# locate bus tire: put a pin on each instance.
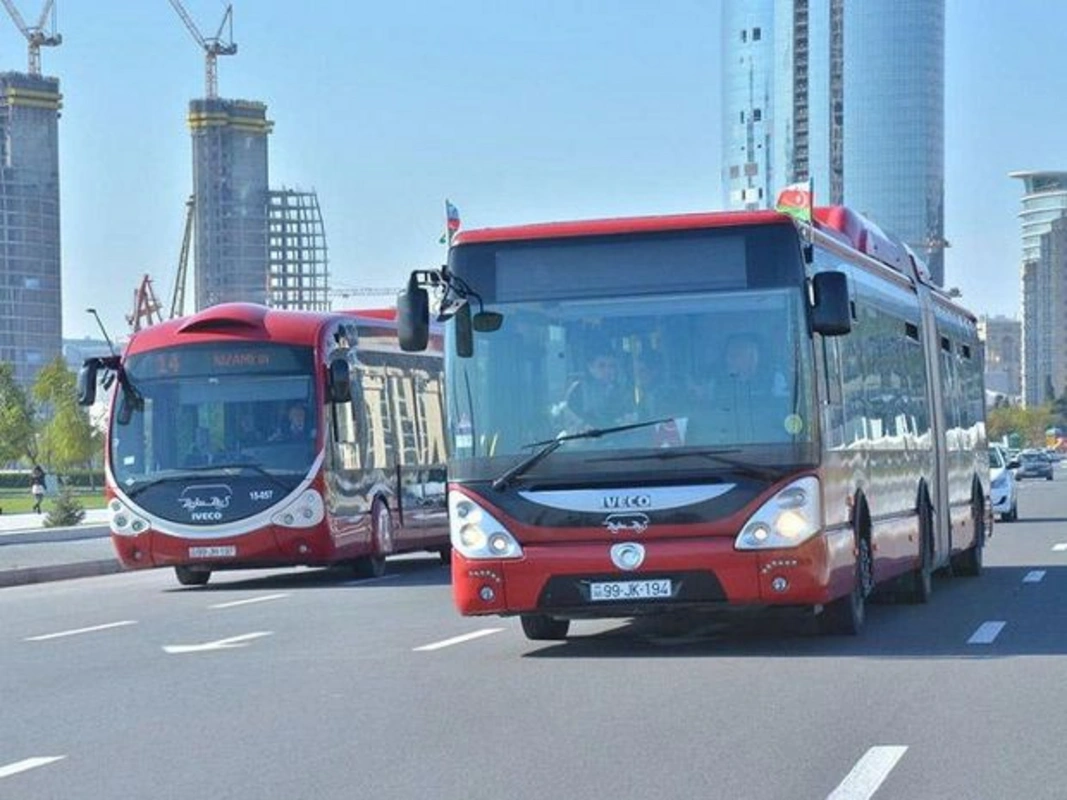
(921, 580)
(846, 615)
(191, 576)
(541, 627)
(969, 562)
(372, 565)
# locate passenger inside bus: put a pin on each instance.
(600, 398)
(199, 454)
(748, 395)
(294, 427)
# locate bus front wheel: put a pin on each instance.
(541, 627)
(847, 614)
(373, 564)
(190, 576)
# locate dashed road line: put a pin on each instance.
(27, 764)
(869, 773)
(1059, 548)
(987, 632)
(249, 601)
(467, 637)
(77, 631)
(222, 644)
(1034, 576)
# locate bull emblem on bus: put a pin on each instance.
(630, 523)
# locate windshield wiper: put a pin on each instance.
(238, 465)
(184, 476)
(549, 446)
(717, 455)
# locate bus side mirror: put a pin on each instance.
(338, 379)
(87, 383)
(831, 311)
(464, 332)
(413, 317)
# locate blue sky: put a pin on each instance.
(517, 111)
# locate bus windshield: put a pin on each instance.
(722, 371)
(219, 407)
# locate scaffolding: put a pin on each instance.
(298, 268)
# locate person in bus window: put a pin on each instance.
(294, 427)
(749, 398)
(248, 434)
(199, 454)
(599, 399)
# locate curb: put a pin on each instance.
(49, 535)
(58, 572)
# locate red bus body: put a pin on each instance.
(366, 479)
(883, 449)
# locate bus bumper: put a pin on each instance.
(269, 547)
(557, 578)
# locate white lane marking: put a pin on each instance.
(1034, 576)
(250, 600)
(28, 763)
(93, 629)
(987, 632)
(221, 644)
(458, 640)
(380, 579)
(865, 778)
(1059, 548)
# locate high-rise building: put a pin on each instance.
(1044, 284)
(856, 98)
(230, 190)
(895, 120)
(1002, 342)
(31, 310)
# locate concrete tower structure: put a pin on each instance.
(31, 308)
(231, 196)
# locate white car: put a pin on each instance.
(1003, 493)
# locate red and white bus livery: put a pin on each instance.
(244, 437)
(702, 411)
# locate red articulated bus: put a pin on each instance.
(701, 411)
(244, 436)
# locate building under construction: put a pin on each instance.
(31, 311)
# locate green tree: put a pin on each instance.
(17, 419)
(68, 439)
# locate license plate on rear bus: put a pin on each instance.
(630, 590)
(228, 551)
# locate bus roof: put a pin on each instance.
(621, 225)
(247, 321)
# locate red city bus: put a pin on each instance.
(245, 437)
(700, 411)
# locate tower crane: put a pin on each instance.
(177, 299)
(213, 47)
(36, 36)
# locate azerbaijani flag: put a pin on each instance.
(451, 223)
(796, 200)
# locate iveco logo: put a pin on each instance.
(612, 502)
(626, 523)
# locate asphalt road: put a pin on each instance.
(309, 685)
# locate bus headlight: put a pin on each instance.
(306, 511)
(788, 519)
(125, 521)
(475, 533)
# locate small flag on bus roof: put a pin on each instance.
(452, 223)
(796, 200)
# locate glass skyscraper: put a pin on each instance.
(1044, 278)
(856, 103)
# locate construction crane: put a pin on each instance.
(177, 299)
(346, 292)
(146, 308)
(213, 47)
(36, 36)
